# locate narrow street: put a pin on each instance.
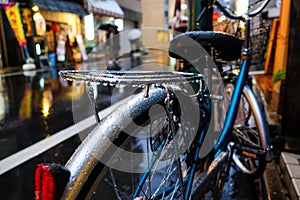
(34, 108)
(44, 118)
(34, 113)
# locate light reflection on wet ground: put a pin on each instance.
(36, 105)
(33, 106)
(28, 106)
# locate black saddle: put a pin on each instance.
(186, 45)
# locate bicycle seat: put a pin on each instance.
(186, 45)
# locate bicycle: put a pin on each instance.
(168, 118)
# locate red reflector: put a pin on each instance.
(44, 183)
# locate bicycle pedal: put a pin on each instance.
(250, 152)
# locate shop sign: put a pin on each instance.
(61, 48)
(14, 18)
(40, 24)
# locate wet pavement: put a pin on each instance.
(36, 107)
(37, 104)
(31, 105)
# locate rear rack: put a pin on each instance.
(130, 78)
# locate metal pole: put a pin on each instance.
(3, 46)
(205, 24)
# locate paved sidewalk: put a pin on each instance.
(290, 164)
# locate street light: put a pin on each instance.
(183, 6)
(35, 8)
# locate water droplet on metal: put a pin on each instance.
(78, 83)
(90, 91)
(112, 84)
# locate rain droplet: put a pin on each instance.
(78, 83)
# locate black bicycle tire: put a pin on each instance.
(259, 118)
(82, 163)
(99, 170)
(262, 128)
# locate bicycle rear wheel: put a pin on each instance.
(157, 164)
(250, 134)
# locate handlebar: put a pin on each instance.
(208, 3)
(252, 14)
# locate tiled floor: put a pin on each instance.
(290, 164)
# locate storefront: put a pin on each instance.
(57, 25)
(12, 39)
(101, 12)
(132, 13)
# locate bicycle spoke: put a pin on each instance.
(240, 133)
(114, 184)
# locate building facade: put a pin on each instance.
(54, 25)
(132, 13)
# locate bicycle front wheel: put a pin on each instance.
(250, 134)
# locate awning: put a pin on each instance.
(105, 7)
(61, 6)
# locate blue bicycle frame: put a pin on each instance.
(232, 111)
(236, 97)
(233, 107)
